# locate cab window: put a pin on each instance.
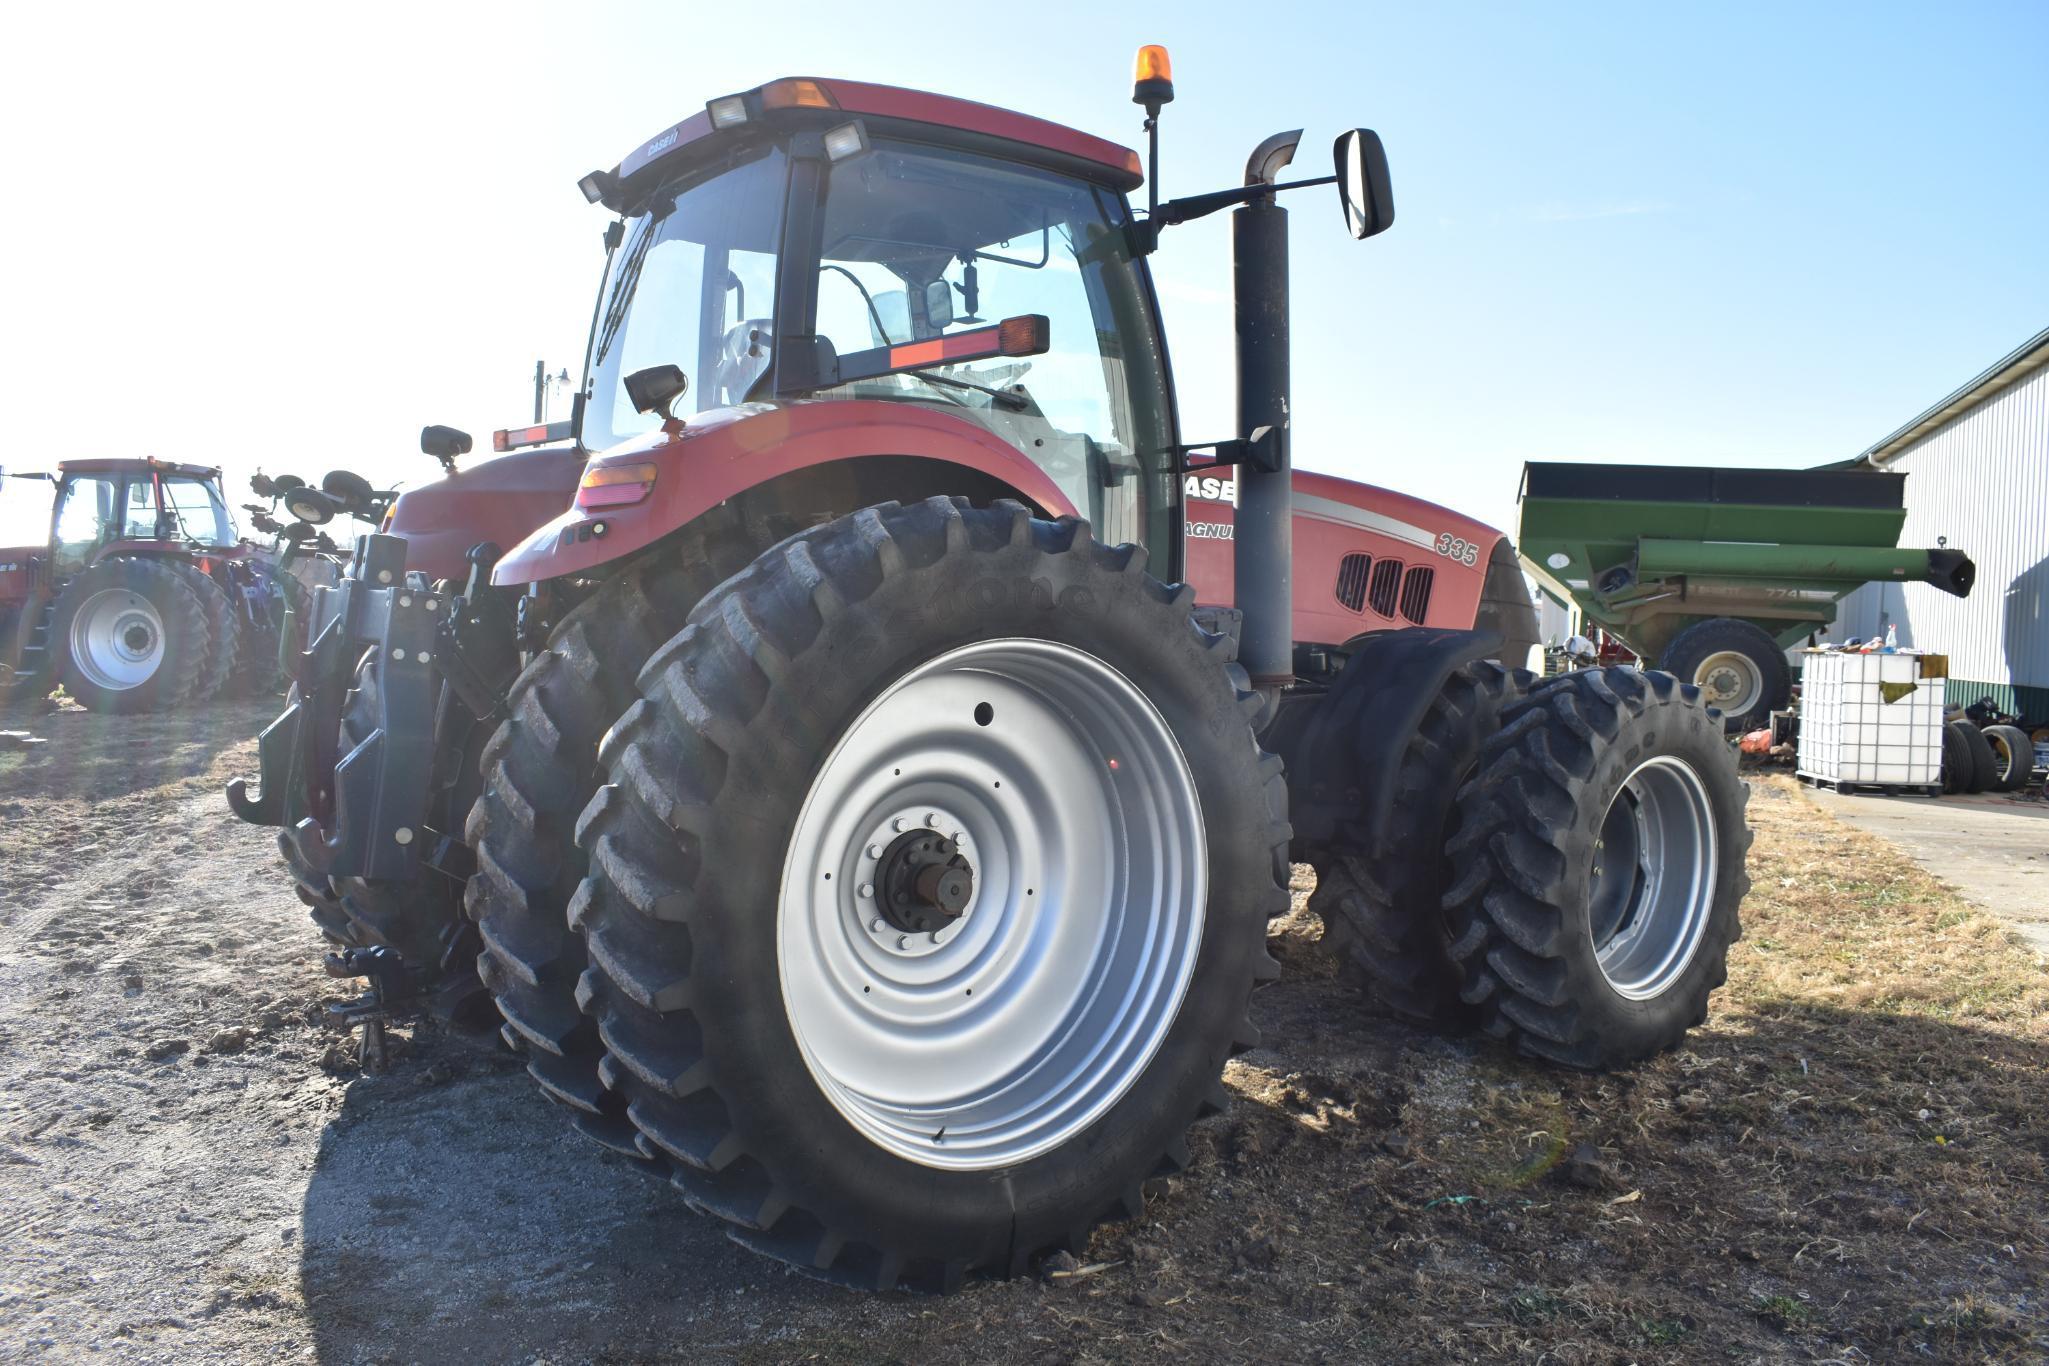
(920, 242)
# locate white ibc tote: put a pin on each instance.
(1872, 718)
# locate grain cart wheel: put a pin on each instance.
(1737, 667)
(1602, 845)
(2013, 757)
(1979, 770)
(223, 631)
(928, 889)
(1384, 910)
(540, 771)
(131, 636)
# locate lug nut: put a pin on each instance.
(931, 818)
(876, 924)
(903, 941)
(874, 851)
(403, 835)
(867, 890)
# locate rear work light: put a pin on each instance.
(612, 486)
(728, 112)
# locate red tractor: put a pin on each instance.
(870, 792)
(142, 598)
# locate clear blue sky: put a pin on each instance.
(1737, 234)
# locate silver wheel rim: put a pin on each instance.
(1029, 1014)
(1730, 680)
(117, 639)
(1654, 878)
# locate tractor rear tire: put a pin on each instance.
(130, 635)
(1979, 770)
(540, 769)
(1384, 909)
(223, 631)
(878, 1111)
(1738, 668)
(1602, 842)
(2013, 757)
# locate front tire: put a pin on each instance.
(1603, 841)
(1126, 844)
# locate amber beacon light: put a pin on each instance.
(1152, 78)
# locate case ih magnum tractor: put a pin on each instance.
(878, 832)
(143, 598)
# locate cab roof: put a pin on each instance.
(116, 465)
(1109, 162)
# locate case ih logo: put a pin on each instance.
(1210, 487)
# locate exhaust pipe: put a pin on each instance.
(1264, 533)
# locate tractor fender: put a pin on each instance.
(721, 454)
(1343, 749)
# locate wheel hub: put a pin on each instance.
(1731, 681)
(923, 882)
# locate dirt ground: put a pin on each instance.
(1847, 1164)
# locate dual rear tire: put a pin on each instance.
(910, 1104)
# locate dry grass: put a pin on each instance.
(1848, 1163)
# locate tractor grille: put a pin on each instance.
(1386, 586)
(1351, 589)
(1416, 593)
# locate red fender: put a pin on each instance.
(720, 454)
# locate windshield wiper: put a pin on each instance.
(1009, 398)
(622, 292)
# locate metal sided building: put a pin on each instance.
(1980, 466)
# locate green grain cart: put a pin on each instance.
(1713, 574)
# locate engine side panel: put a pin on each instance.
(1422, 565)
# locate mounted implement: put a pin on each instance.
(1715, 573)
(878, 832)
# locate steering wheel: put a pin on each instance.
(744, 357)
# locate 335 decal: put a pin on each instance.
(1457, 548)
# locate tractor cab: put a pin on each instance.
(824, 241)
(128, 505)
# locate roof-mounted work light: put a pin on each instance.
(847, 140)
(728, 111)
(595, 186)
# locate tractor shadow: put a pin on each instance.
(97, 757)
(464, 1219)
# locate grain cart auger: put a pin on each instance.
(879, 837)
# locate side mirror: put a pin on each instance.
(652, 390)
(939, 306)
(1363, 183)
